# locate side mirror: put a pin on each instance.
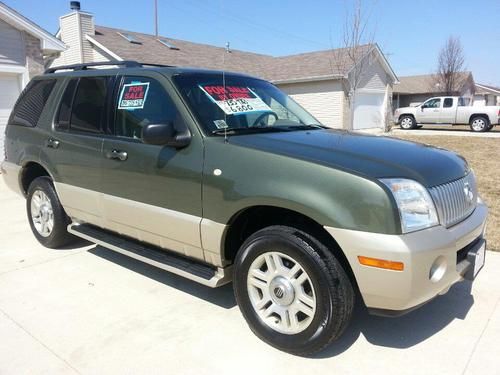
(422, 107)
(165, 135)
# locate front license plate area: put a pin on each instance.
(476, 257)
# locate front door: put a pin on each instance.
(151, 193)
(428, 113)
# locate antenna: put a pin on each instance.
(224, 85)
(156, 18)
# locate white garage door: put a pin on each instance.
(369, 110)
(9, 91)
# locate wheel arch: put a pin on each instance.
(29, 171)
(476, 115)
(251, 219)
(407, 114)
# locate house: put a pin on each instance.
(23, 46)
(316, 80)
(413, 90)
(486, 95)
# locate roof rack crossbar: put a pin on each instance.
(125, 63)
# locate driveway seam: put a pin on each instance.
(44, 262)
(39, 341)
(480, 336)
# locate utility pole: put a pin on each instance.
(156, 18)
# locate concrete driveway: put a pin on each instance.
(88, 310)
(458, 130)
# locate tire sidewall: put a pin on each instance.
(486, 124)
(323, 315)
(59, 235)
(412, 123)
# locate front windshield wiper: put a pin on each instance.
(303, 127)
(249, 130)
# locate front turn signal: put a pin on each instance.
(381, 263)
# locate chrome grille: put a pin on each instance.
(455, 200)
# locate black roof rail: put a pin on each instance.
(125, 63)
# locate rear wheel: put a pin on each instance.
(407, 122)
(46, 216)
(292, 291)
(479, 124)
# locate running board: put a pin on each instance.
(191, 269)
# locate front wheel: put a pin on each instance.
(46, 216)
(479, 124)
(292, 291)
(407, 122)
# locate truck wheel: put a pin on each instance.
(46, 216)
(407, 122)
(479, 124)
(292, 291)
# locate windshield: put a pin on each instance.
(239, 104)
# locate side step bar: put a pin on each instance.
(191, 269)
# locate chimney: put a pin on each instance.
(73, 30)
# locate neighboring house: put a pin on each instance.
(23, 46)
(413, 90)
(310, 78)
(486, 95)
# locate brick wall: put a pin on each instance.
(34, 57)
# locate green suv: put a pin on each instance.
(221, 177)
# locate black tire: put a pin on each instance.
(407, 122)
(335, 296)
(59, 235)
(479, 124)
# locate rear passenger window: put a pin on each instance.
(448, 102)
(64, 114)
(87, 111)
(29, 106)
(142, 101)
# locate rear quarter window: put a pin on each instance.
(31, 102)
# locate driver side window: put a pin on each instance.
(142, 101)
(433, 103)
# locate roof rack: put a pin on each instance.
(125, 63)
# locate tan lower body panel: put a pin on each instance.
(10, 174)
(186, 234)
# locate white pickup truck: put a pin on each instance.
(448, 110)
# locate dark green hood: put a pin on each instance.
(366, 155)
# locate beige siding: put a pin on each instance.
(100, 55)
(374, 76)
(11, 45)
(323, 99)
(87, 28)
(73, 28)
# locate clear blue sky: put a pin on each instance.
(409, 32)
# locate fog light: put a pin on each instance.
(438, 269)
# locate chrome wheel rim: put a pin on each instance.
(478, 124)
(281, 293)
(42, 214)
(406, 123)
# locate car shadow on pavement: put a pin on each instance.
(407, 330)
(400, 332)
(222, 296)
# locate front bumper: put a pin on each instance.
(421, 252)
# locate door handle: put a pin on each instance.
(53, 143)
(117, 155)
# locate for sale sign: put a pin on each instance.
(133, 95)
(235, 99)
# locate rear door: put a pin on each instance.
(73, 150)
(429, 111)
(152, 193)
(448, 111)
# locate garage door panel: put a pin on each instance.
(9, 91)
(368, 110)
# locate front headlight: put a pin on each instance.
(416, 208)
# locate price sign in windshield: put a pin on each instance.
(235, 99)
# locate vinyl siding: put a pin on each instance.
(87, 25)
(323, 99)
(374, 76)
(12, 49)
